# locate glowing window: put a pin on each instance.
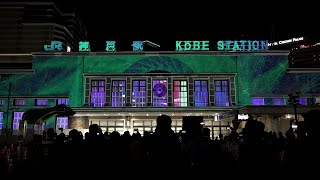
(118, 93)
(180, 94)
(159, 93)
(138, 93)
(201, 93)
(97, 93)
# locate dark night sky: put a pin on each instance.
(165, 22)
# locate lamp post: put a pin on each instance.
(294, 99)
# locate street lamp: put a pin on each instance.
(294, 99)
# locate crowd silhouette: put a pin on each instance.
(164, 154)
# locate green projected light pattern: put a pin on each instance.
(54, 76)
(256, 75)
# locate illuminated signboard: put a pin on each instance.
(54, 46)
(84, 46)
(137, 46)
(241, 45)
(192, 45)
(286, 41)
(110, 46)
(243, 116)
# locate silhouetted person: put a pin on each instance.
(255, 153)
(137, 153)
(206, 133)
(308, 148)
(49, 149)
(220, 137)
(200, 152)
(164, 150)
(74, 149)
(94, 149)
(281, 141)
(230, 153)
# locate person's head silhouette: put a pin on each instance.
(206, 132)
(94, 129)
(163, 123)
(312, 123)
(253, 129)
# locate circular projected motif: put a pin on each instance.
(159, 90)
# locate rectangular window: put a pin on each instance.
(62, 122)
(138, 93)
(36, 126)
(268, 101)
(221, 93)
(180, 94)
(19, 102)
(17, 117)
(97, 93)
(201, 93)
(303, 101)
(286, 101)
(1, 120)
(278, 101)
(1, 102)
(118, 93)
(63, 101)
(159, 93)
(41, 102)
(311, 101)
(258, 101)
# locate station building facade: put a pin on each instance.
(123, 91)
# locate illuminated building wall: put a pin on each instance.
(257, 75)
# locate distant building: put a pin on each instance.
(304, 52)
(26, 26)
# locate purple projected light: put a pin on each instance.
(159, 90)
(97, 93)
(17, 117)
(63, 101)
(19, 102)
(118, 93)
(41, 102)
(139, 94)
(258, 101)
(62, 122)
(159, 93)
(222, 93)
(201, 93)
(1, 119)
(303, 101)
(278, 101)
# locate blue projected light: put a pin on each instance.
(137, 46)
(201, 96)
(54, 46)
